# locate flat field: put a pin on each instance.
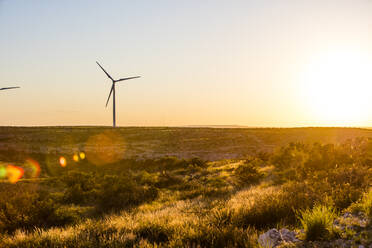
(154, 142)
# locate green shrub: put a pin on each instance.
(197, 162)
(148, 178)
(119, 192)
(248, 174)
(344, 195)
(364, 205)
(27, 207)
(166, 180)
(80, 187)
(367, 204)
(318, 222)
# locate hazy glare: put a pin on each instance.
(201, 62)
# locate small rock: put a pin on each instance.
(288, 236)
(340, 243)
(270, 238)
(273, 237)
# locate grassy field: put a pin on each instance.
(181, 187)
(150, 142)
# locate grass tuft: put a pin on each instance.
(318, 222)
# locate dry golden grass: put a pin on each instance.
(202, 204)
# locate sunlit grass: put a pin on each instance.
(317, 222)
(188, 203)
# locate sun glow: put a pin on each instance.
(337, 88)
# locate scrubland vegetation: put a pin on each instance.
(174, 202)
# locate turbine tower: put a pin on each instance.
(9, 88)
(112, 91)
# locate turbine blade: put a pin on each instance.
(8, 88)
(112, 89)
(122, 79)
(105, 71)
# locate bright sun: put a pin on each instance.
(337, 88)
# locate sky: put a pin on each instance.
(267, 63)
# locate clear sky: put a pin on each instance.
(202, 62)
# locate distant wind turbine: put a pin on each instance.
(112, 91)
(9, 88)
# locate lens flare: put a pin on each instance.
(33, 166)
(62, 161)
(2, 171)
(105, 148)
(14, 173)
(82, 155)
(75, 158)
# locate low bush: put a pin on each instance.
(80, 187)
(367, 204)
(106, 192)
(167, 180)
(28, 207)
(248, 173)
(364, 204)
(119, 192)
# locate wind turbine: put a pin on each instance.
(9, 88)
(112, 91)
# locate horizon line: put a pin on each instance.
(180, 126)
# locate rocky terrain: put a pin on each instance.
(351, 229)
